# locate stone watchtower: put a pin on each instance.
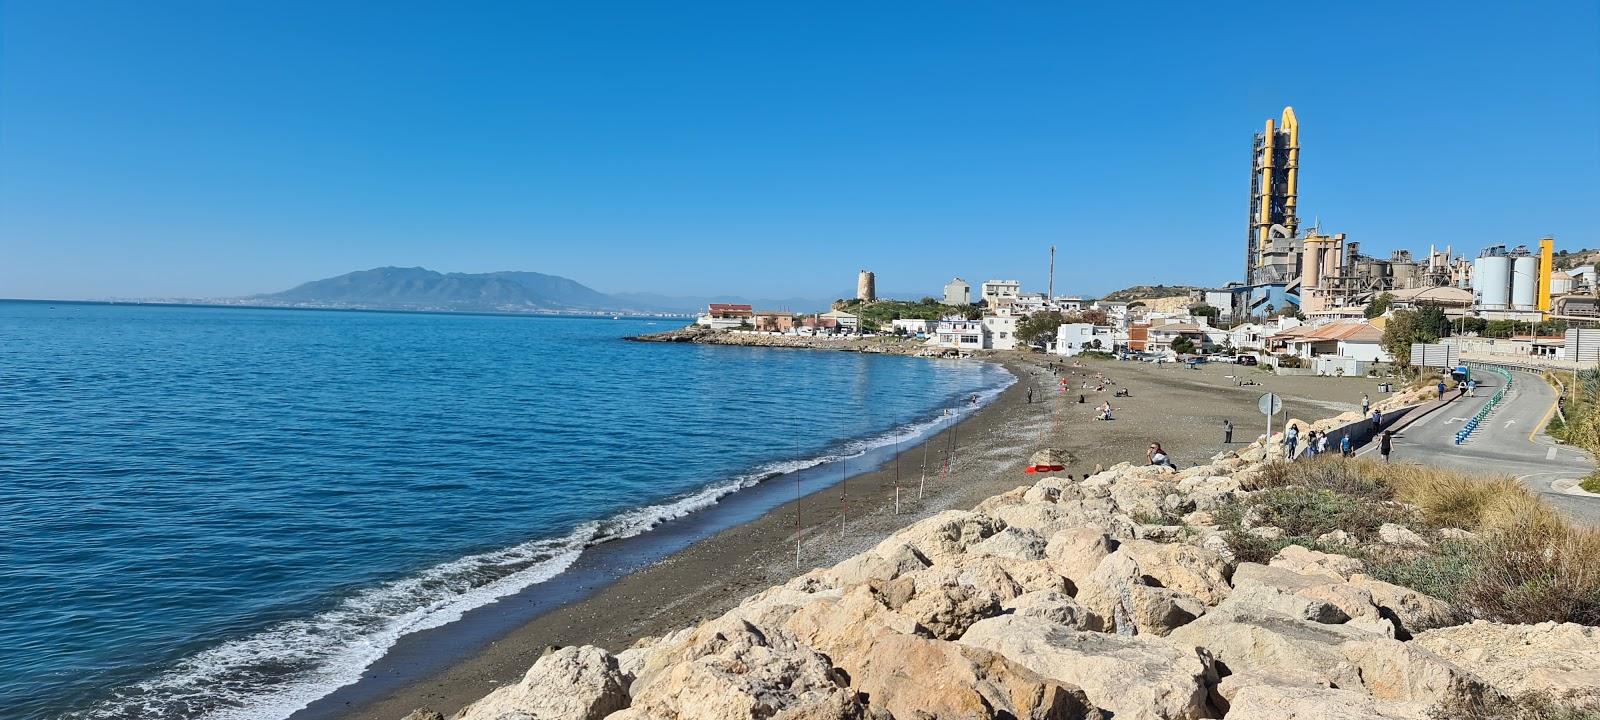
(866, 286)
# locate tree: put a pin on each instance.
(1431, 318)
(1379, 305)
(1204, 310)
(1182, 345)
(1039, 327)
(1403, 329)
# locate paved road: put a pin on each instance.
(1510, 440)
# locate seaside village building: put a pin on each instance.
(1001, 330)
(959, 334)
(725, 316)
(1074, 338)
(957, 293)
(995, 291)
(914, 327)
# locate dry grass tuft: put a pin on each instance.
(1527, 564)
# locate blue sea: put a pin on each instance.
(228, 513)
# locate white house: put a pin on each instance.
(996, 290)
(910, 326)
(959, 334)
(1029, 303)
(1001, 331)
(1068, 304)
(1074, 338)
(725, 316)
(1116, 312)
(1357, 340)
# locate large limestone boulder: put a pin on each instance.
(1395, 670)
(1311, 562)
(1013, 543)
(1209, 491)
(1133, 602)
(904, 674)
(1076, 552)
(1194, 570)
(1045, 519)
(572, 683)
(1057, 608)
(735, 671)
(1411, 611)
(1558, 658)
(1277, 702)
(1247, 639)
(889, 560)
(944, 535)
(1134, 678)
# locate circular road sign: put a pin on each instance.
(1270, 404)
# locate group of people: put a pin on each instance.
(1316, 443)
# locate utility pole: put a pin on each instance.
(1050, 289)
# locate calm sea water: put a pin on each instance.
(227, 513)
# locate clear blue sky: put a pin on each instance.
(224, 148)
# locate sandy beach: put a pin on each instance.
(1181, 408)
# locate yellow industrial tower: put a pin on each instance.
(1274, 191)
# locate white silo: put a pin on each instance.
(1491, 281)
(1524, 282)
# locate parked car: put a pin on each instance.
(1246, 360)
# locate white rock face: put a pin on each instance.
(1134, 678)
(1558, 658)
(573, 683)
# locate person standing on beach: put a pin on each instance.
(1030, 396)
(1385, 444)
(1227, 432)
(1365, 404)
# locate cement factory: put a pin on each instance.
(1326, 276)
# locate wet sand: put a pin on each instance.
(1183, 409)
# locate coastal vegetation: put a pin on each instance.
(1503, 555)
(880, 314)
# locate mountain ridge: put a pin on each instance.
(418, 288)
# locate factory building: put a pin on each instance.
(1514, 284)
(1274, 181)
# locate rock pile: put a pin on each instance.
(1060, 600)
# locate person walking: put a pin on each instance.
(1322, 443)
(1385, 444)
(1311, 444)
(1344, 444)
(1291, 439)
(1227, 432)
(1377, 419)
(1472, 388)
(1441, 388)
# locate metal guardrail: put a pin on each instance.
(1488, 407)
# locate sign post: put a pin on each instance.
(1270, 404)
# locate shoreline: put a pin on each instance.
(706, 577)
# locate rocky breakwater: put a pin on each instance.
(881, 344)
(1115, 596)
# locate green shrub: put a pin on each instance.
(1592, 482)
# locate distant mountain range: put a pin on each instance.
(395, 288)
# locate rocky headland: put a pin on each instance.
(1139, 593)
